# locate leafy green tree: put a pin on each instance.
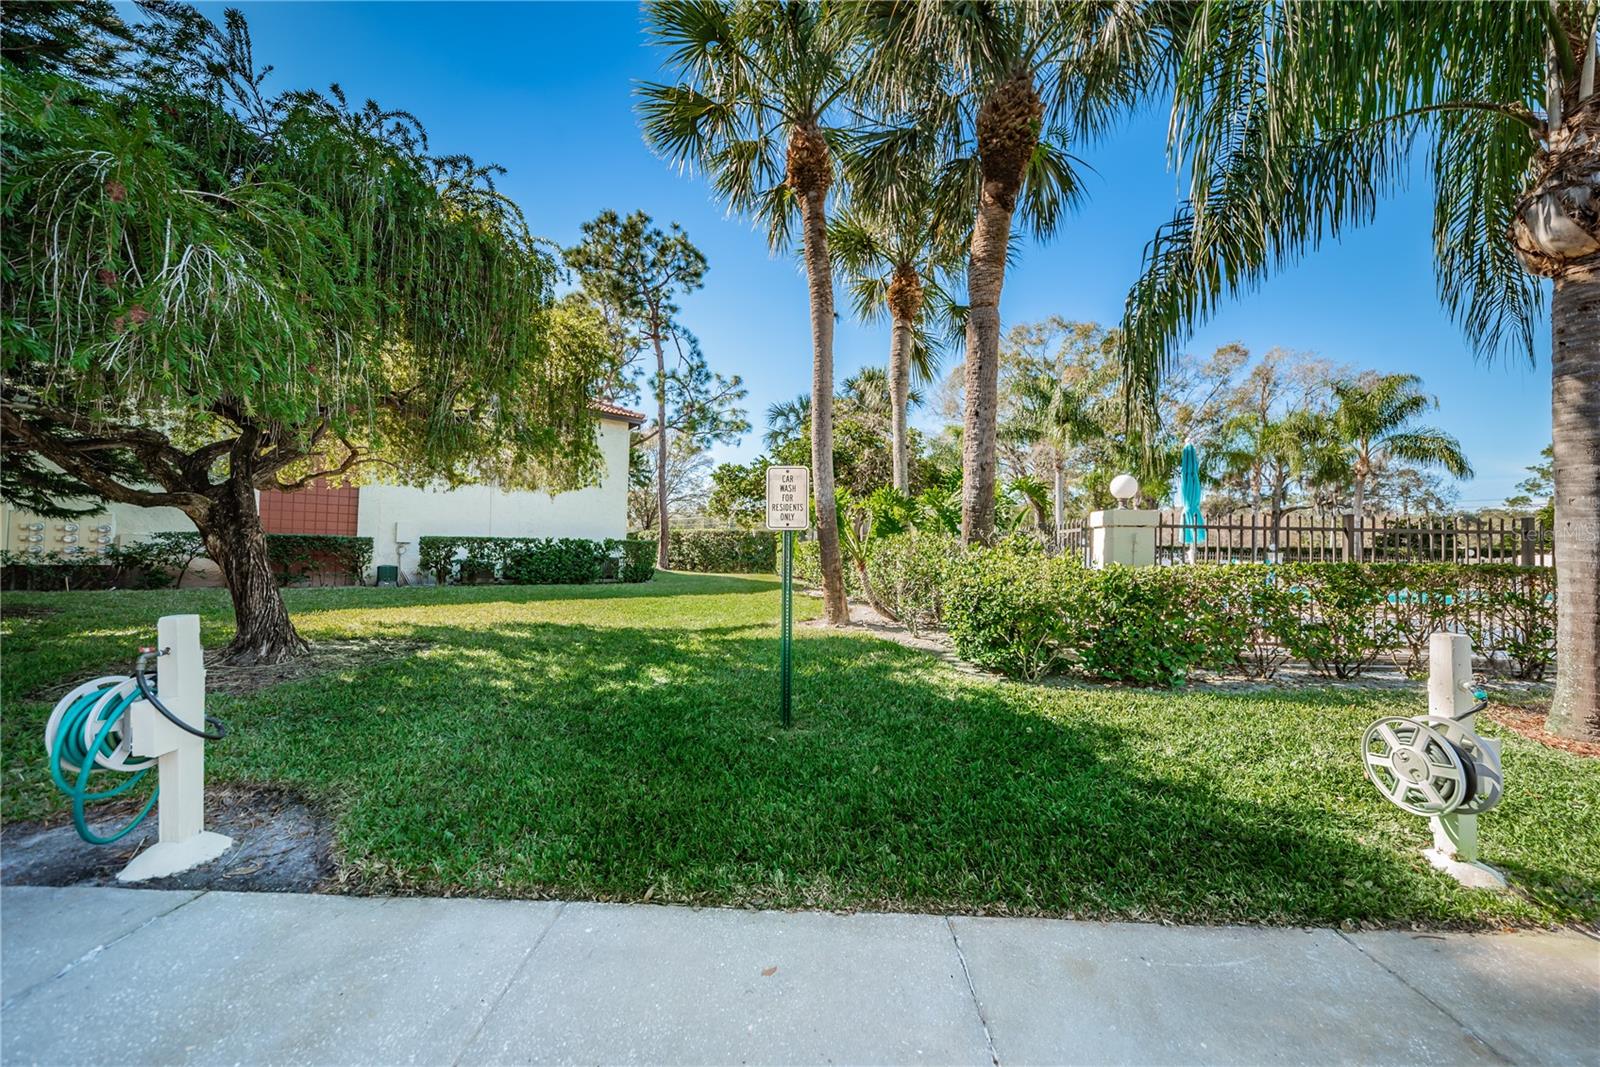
(759, 104)
(211, 292)
(636, 272)
(1540, 486)
(1295, 119)
(739, 491)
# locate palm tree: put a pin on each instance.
(1268, 454)
(1003, 87)
(1059, 416)
(897, 250)
(1295, 118)
(759, 88)
(788, 420)
(1373, 422)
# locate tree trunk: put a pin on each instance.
(1007, 129)
(1575, 422)
(900, 342)
(819, 281)
(231, 528)
(1353, 552)
(986, 275)
(1058, 495)
(661, 452)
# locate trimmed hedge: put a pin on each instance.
(718, 551)
(296, 557)
(162, 558)
(1020, 612)
(534, 560)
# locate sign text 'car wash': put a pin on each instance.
(788, 498)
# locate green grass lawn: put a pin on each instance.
(621, 742)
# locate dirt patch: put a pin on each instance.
(280, 845)
(325, 657)
(28, 611)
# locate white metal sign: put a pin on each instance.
(788, 498)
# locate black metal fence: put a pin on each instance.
(1250, 537)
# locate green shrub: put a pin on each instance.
(1421, 599)
(1005, 610)
(908, 571)
(718, 551)
(638, 560)
(521, 560)
(1137, 625)
(554, 561)
(1512, 609)
(1343, 620)
(296, 557)
(808, 566)
(162, 558)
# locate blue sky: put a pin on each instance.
(545, 90)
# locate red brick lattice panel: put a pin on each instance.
(319, 508)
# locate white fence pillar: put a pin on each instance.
(1124, 536)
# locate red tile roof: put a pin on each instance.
(613, 411)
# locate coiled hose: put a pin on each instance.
(86, 730)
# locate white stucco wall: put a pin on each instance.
(597, 512)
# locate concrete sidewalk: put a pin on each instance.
(130, 976)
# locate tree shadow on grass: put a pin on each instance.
(634, 763)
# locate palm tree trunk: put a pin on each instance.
(662, 554)
(819, 280)
(1353, 552)
(900, 341)
(1008, 132)
(1575, 422)
(1058, 496)
(986, 274)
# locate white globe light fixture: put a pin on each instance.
(1124, 487)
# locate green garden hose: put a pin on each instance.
(87, 730)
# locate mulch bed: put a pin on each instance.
(1528, 720)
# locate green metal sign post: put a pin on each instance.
(786, 650)
(788, 509)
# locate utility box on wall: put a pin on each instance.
(27, 534)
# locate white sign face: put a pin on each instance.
(788, 498)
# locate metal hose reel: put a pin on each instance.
(1435, 765)
(1431, 765)
(1416, 767)
(134, 725)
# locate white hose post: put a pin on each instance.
(180, 757)
(1449, 675)
(1450, 694)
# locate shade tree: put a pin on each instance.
(212, 291)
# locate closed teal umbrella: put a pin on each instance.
(1194, 528)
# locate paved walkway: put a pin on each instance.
(130, 976)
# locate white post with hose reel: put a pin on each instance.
(1436, 765)
(131, 724)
